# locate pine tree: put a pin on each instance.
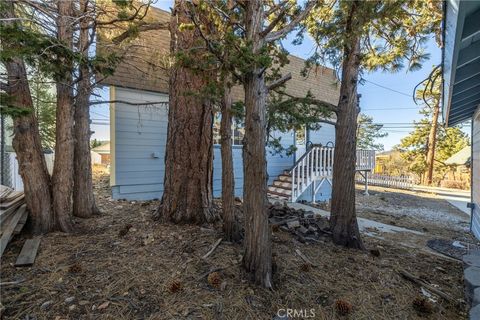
(364, 36)
(368, 132)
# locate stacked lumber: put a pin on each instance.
(13, 215)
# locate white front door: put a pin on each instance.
(300, 142)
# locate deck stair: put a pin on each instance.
(313, 169)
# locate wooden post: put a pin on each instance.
(314, 187)
(366, 183)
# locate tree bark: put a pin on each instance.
(62, 177)
(258, 252)
(27, 144)
(230, 223)
(83, 199)
(187, 196)
(432, 140)
(343, 220)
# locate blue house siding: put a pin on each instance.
(324, 135)
(276, 164)
(237, 170)
(323, 193)
(139, 134)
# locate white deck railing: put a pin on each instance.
(317, 164)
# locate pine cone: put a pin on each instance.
(215, 280)
(174, 286)
(343, 307)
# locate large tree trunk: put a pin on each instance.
(62, 177)
(187, 196)
(83, 199)
(258, 251)
(432, 140)
(27, 145)
(343, 220)
(230, 224)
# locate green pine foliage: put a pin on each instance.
(368, 132)
(44, 102)
(449, 141)
(393, 33)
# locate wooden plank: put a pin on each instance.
(6, 214)
(6, 235)
(21, 223)
(29, 252)
(5, 192)
(12, 196)
(6, 205)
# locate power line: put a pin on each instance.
(103, 115)
(388, 109)
(387, 88)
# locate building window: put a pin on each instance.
(238, 131)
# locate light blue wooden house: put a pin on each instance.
(138, 132)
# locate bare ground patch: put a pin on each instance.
(124, 265)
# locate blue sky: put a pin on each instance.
(385, 96)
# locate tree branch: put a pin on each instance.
(142, 27)
(148, 103)
(310, 100)
(285, 30)
(279, 82)
(273, 24)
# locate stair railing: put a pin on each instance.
(317, 163)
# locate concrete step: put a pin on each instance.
(273, 193)
(286, 192)
(284, 177)
(279, 196)
(282, 184)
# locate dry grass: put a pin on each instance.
(112, 275)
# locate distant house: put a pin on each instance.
(461, 90)
(104, 151)
(459, 175)
(138, 132)
(381, 161)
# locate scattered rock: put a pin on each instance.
(72, 307)
(83, 302)
(302, 230)
(46, 304)
(293, 224)
(69, 299)
(147, 239)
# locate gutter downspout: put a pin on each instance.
(471, 173)
(444, 27)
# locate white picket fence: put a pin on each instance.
(382, 180)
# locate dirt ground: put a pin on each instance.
(420, 211)
(156, 271)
